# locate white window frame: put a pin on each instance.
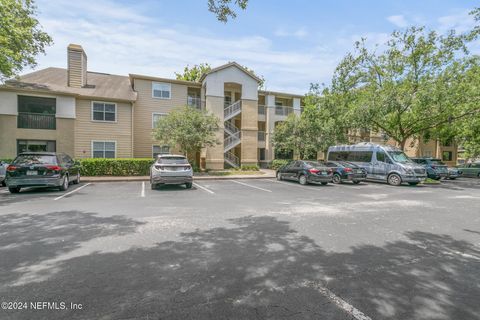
(162, 114)
(157, 145)
(162, 84)
(104, 141)
(104, 121)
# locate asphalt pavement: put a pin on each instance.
(241, 249)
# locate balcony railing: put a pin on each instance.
(194, 102)
(261, 135)
(283, 110)
(261, 110)
(36, 121)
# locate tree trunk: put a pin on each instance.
(402, 144)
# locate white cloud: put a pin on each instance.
(299, 33)
(461, 22)
(398, 20)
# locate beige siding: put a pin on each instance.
(87, 130)
(145, 106)
(75, 68)
(9, 134)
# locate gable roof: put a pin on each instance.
(54, 80)
(228, 65)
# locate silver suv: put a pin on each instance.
(171, 169)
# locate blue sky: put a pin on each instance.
(290, 43)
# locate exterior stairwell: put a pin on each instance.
(232, 133)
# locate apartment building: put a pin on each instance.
(91, 114)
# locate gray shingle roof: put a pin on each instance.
(54, 80)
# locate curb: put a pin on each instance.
(131, 179)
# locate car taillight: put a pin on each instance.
(348, 170)
(314, 171)
(11, 168)
(54, 168)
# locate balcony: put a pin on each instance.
(195, 102)
(27, 120)
(283, 110)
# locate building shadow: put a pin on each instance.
(260, 268)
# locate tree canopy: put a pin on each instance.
(224, 9)
(188, 129)
(21, 37)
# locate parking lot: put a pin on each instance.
(243, 249)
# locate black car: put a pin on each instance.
(42, 169)
(305, 172)
(436, 169)
(347, 171)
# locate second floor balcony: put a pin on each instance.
(27, 120)
(195, 102)
(283, 110)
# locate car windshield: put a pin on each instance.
(28, 159)
(399, 156)
(172, 160)
(437, 161)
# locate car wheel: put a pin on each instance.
(394, 180)
(14, 189)
(413, 183)
(65, 183)
(356, 182)
(77, 179)
(336, 178)
(279, 176)
(188, 185)
(324, 183)
(302, 180)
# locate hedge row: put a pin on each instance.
(277, 163)
(115, 167)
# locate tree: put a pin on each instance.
(415, 85)
(222, 8)
(194, 73)
(290, 135)
(21, 37)
(189, 129)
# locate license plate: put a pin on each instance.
(359, 171)
(324, 173)
(32, 173)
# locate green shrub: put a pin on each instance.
(6, 160)
(245, 167)
(115, 167)
(277, 163)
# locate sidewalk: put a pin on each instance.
(263, 174)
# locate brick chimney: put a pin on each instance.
(77, 66)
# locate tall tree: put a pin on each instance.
(193, 73)
(188, 129)
(21, 37)
(223, 9)
(410, 87)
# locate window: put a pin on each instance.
(161, 90)
(104, 111)
(36, 113)
(156, 117)
(261, 153)
(447, 155)
(381, 156)
(104, 149)
(35, 146)
(157, 150)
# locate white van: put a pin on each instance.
(383, 163)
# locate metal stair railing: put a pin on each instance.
(232, 159)
(232, 110)
(231, 141)
(231, 128)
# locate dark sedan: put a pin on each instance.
(42, 169)
(436, 169)
(347, 171)
(305, 172)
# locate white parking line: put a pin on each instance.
(203, 188)
(69, 193)
(357, 314)
(251, 186)
(142, 194)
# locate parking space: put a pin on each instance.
(245, 249)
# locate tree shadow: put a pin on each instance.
(260, 268)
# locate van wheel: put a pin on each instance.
(188, 185)
(65, 183)
(14, 189)
(336, 178)
(394, 180)
(302, 180)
